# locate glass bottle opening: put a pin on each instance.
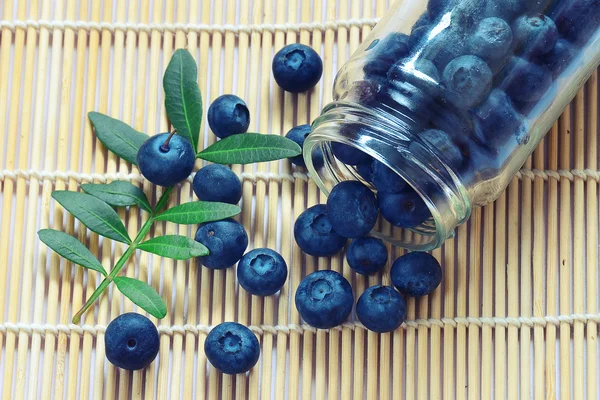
(391, 141)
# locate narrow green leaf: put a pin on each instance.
(118, 193)
(174, 246)
(98, 216)
(198, 212)
(71, 249)
(247, 148)
(143, 295)
(183, 100)
(117, 136)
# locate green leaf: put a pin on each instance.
(183, 100)
(198, 212)
(174, 246)
(98, 216)
(143, 295)
(117, 136)
(118, 193)
(247, 148)
(71, 249)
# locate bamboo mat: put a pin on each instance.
(516, 315)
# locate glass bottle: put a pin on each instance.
(452, 96)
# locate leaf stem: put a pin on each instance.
(123, 259)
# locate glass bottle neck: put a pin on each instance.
(391, 139)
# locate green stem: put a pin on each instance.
(130, 250)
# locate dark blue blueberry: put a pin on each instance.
(228, 115)
(226, 240)
(468, 81)
(437, 7)
(525, 81)
(232, 348)
(298, 134)
(416, 274)
(352, 209)
(385, 179)
(577, 20)
(534, 34)
(367, 255)
(381, 309)
(166, 163)
(445, 46)
(505, 9)
(496, 121)
(416, 99)
(387, 51)
(492, 39)
(297, 68)
(324, 299)
(417, 36)
(559, 57)
(405, 209)
(131, 341)
(424, 19)
(417, 71)
(466, 14)
(445, 147)
(262, 272)
(216, 182)
(315, 235)
(366, 170)
(348, 154)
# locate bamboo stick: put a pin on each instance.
(12, 296)
(552, 265)
(525, 281)
(564, 254)
(487, 301)
(538, 273)
(578, 247)
(448, 387)
(500, 297)
(513, 288)
(592, 234)
(475, 266)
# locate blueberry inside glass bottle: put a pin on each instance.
(444, 101)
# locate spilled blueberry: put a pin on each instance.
(262, 272)
(381, 309)
(218, 183)
(367, 255)
(226, 240)
(416, 274)
(131, 341)
(315, 235)
(405, 209)
(352, 209)
(166, 159)
(232, 348)
(228, 115)
(297, 68)
(299, 134)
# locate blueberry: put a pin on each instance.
(297, 68)
(468, 80)
(352, 209)
(417, 35)
(505, 9)
(216, 182)
(416, 274)
(226, 240)
(577, 20)
(348, 154)
(131, 341)
(491, 40)
(381, 309)
(365, 170)
(387, 51)
(525, 81)
(363, 91)
(444, 146)
(496, 121)
(385, 179)
(262, 272)
(232, 348)
(166, 161)
(367, 255)
(298, 134)
(324, 299)
(437, 7)
(228, 115)
(445, 46)
(315, 235)
(416, 99)
(466, 14)
(534, 34)
(404, 210)
(559, 57)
